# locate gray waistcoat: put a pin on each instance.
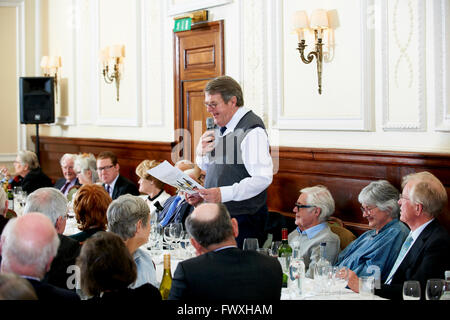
(226, 166)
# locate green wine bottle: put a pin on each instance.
(284, 255)
(166, 282)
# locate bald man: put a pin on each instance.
(222, 271)
(28, 245)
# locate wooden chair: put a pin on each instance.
(345, 235)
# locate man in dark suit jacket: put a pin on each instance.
(222, 271)
(29, 243)
(108, 171)
(426, 251)
(70, 177)
(53, 204)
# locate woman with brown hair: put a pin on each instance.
(107, 270)
(150, 186)
(90, 205)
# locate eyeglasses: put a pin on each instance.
(105, 168)
(300, 206)
(211, 105)
(368, 210)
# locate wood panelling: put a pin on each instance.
(129, 153)
(343, 172)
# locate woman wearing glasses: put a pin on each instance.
(29, 175)
(375, 251)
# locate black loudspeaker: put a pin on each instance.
(37, 100)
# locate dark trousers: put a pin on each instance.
(252, 226)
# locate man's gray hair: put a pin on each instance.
(29, 158)
(319, 196)
(16, 251)
(124, 213)
(3, 198)
(427, 190)
(383, 195)
(67, 156)
(48, 201)
(212, 231)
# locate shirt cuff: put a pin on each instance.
(226, 193)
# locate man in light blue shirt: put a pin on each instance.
(312, 210)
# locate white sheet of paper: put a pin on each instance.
(173, 176)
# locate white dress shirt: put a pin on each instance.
(256, 159)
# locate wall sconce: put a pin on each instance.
(114, 56)
(50, 66)
(319, 22)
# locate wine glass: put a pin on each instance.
(176, 232)
(434, 289)
(340, 278)
(274, 248)
(296, 275)
(167, 236)
(322, 277)
(411, 290)
(250, 244)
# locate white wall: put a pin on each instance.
(385, 81)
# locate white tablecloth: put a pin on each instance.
(310, 293)
(309, 285)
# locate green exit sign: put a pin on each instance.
(182, 24)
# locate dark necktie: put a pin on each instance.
(64, 188)
(108, 188)
(222, 130)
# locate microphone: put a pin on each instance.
(209, 123)
(158, 206)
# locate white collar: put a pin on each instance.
(416, 233)
(237, 116)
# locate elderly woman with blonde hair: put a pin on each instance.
(152, 188)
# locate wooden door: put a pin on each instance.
(199, 57)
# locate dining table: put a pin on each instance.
(310, 288)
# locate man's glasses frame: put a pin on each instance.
(301, 206)
(105, 168)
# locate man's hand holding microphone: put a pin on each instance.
(207, 140)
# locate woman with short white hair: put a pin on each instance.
(375, 251)
(29, 175)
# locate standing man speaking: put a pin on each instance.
(236, 158)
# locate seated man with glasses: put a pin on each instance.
(375, 251)
(312, 210)
(108, 172)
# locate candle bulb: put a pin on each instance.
(300, 35)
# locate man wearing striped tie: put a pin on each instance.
(70, 178)
(425, 254)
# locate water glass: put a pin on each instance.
(446, 291)
(251, 244)
(411, 290)
(367, 286)
(434, 289)
(340, 278)
(274, 248)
